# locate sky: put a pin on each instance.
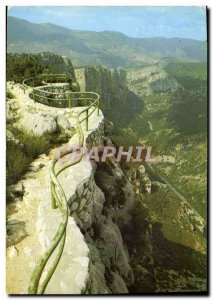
(141, 22)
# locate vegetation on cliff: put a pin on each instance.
(22, 66)
(175, 123)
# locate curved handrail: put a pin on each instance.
(31, 80)
(58, 197)
(66, 98)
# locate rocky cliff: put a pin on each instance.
(127, 232)
(95, 258)
(115, 97)
(151, 79)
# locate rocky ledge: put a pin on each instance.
(95, 259)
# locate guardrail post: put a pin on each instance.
(33, 90)
(98, 108)
(69, 97)
(53, 203)
(87, 119)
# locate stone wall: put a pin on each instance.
(56, 88)
(96, 137)
(41, 92)
(80, 203)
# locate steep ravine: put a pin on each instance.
(110, 271)
(117, 102)
(156, 263)
(165, 241)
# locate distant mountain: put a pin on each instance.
(112, 49)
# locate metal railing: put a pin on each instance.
(58, 197)
(46, 79)
(38, 87)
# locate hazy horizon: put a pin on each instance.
(166, 22)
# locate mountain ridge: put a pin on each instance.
(112, 49)
(104, 31)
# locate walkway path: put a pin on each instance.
(42, 222)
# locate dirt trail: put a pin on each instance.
(25, 257)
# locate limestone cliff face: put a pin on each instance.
(95, 259)
(109, 268)
(102, 207)
(115, 96)
(100, 197)
(151, 79)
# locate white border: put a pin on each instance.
(3, 4)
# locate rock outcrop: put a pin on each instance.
(104, 237)
(140, 180)
(151, 79)
(38, 124)
(36, 118)
(115, 96)
(95, 259)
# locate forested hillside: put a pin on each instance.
(22, 66)
(112, 49)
